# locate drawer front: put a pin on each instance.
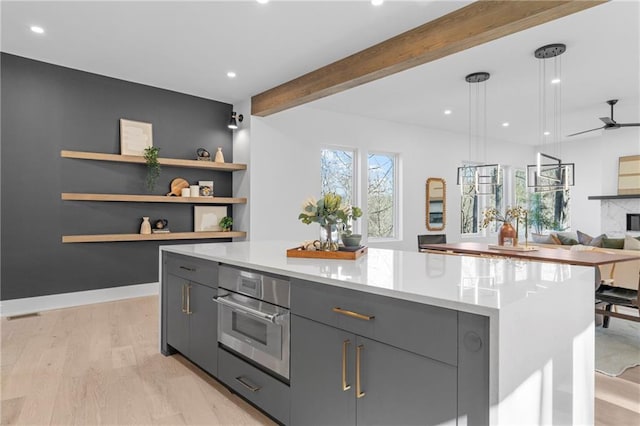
(192, 269)
(264, 391)
(430, 331)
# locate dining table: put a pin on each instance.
(530, 252)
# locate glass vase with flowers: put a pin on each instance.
(331, 215)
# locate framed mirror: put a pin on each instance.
(436, 204)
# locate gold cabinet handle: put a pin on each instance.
(189, 300)
(359, 393)
(250, 387)
(345, 386)
(353, 314)
(182, 306)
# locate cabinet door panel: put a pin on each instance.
(203, 328)
(317, 395)
(177, 322)
(402, 388)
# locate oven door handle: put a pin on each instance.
(222, 300)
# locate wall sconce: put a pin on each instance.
(233, 124)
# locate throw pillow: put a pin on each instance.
(542, 239)
(597, 241)
(555, 239)
(566, 241)
(631, 243)
(613, 243)
(583, 238)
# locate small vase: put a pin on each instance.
(145, 227)
(507, 235)
(329, 238)
(219, 158)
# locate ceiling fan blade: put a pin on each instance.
(628, 124)
(586, 131)
(607, 120)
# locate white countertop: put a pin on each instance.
(471, 284)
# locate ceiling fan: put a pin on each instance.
(609, 122)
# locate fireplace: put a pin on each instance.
(633, 221)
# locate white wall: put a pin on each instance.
(596, 161)
(285, 168)
(242, 179)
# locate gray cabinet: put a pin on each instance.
(340, 378)
(189, 314)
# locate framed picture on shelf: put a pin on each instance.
(207, 218)
(135, 136)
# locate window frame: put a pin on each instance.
(396, 202)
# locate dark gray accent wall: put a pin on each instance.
(48, 108)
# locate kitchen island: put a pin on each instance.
(474, 340)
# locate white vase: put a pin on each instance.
(219, 158)
(145, 227)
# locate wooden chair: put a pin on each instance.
(613, 291)
(431, 239)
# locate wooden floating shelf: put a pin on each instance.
(104, 238)
(78, 196)
(174, 162)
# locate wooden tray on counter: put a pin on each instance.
(340, 255)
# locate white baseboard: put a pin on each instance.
(31, 305)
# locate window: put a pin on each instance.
(337, 173)
(473, 203)
(381, 195)
(549, 211)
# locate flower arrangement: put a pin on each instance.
(516, 213)
(327, 212)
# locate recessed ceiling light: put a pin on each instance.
(263, 1)
(447, 112)
(555, 81)
(231, 74)
(36, 29)
(505, 124)
(377, 2)
(547, 133)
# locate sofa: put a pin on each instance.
(621, 274)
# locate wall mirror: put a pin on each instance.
(436, 204)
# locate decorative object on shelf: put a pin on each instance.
(629, 175)
(352, 240)
(507, 234)
(328, 212)
(206, 188)
(226, 223)
(153, 166)
(161, 224)
(177, 185)
(135, 137)
(145, 227)
(219, 158)
(203, 154)
(194, 191)
(475, 176)
(207, 218)
(233, 124)
(186, 192)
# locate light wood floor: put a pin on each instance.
(100, 365)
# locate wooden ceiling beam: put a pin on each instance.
(477, 23)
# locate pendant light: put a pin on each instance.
(475, 175)
(550, 173)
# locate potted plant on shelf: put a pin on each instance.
(153, 166)
(226, 223)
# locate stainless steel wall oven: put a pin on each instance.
(253, 317)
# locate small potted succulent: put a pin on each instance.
(226, 223)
